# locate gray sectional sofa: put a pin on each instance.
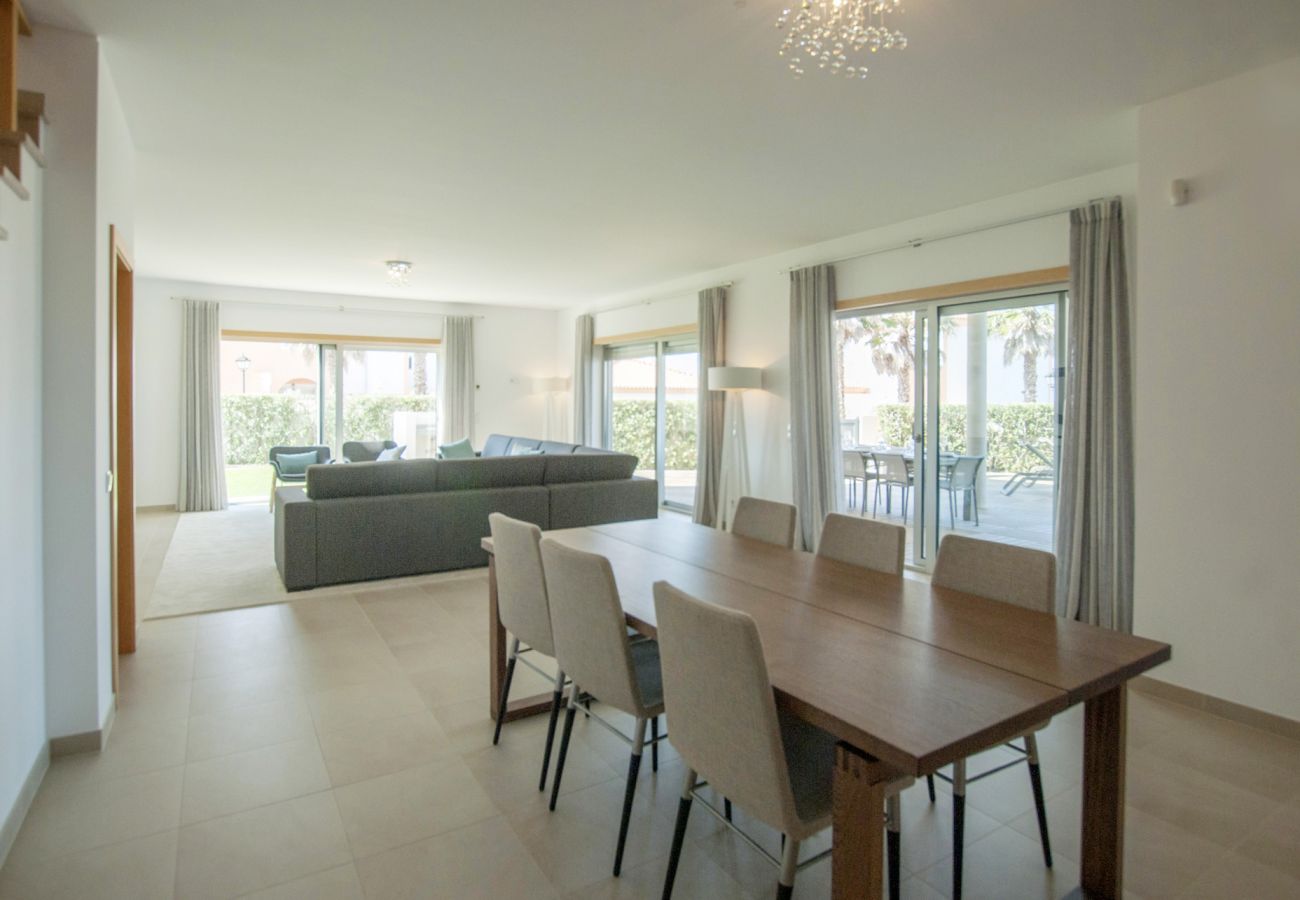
(362, 521)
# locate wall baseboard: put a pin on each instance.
(86, 741)
(23, 802)
(1216, 706)
(165, 507)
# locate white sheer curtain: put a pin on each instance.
(456, 400)
(1094, 517)
(203, 472)
(814, 426)
(584, 382)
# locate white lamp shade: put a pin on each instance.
(734, 378)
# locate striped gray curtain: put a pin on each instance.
(456, 405)
(1094, 519)
(203, 473)
(584, 382)
(711, 404)
(815, 430)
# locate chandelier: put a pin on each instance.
(399, 272)
(837, 35)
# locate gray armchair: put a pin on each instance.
(365, 451)
(293, 471)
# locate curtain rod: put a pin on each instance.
(659, 299)
(914, 243)
(340, 308)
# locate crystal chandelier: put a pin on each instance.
(836, 35)
(399, 271)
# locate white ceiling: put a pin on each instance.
(550, 153)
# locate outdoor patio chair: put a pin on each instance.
(1045, 472)
(960, 478)
(892, 471)
(289, 465)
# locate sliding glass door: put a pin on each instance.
(651, 412)
(950, 417)
(287, 393)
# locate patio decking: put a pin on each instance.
(1023, 518)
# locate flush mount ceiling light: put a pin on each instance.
(399, 271)
(837, 36)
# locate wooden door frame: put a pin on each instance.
(121, 404)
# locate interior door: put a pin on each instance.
(120, 479)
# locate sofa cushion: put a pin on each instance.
(589, 467)
(496, 445)
(295, 463)
(388, 454)
(491, 472)
(557, 448)
(461, 449)
(519, 446)
(372, 479)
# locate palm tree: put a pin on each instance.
(847, 331)
(891, 338)
(1029, 333)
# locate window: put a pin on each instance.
(651, 411)
(950, 416)
(286, 393)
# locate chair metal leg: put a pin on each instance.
(726, 809)
(679, 835)
(789, 866)
(975, 504)
(654, 744)
(958, 824)
(557, 699)
(929, 783)
(1036, 781)
(564, 745)
(894, 846)
(633, 767)
(505, 691)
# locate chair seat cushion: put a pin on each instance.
(649, 677)
(295, 463)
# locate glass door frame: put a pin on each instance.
(660, 350)
(928, 316)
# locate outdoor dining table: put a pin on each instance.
(908, 677)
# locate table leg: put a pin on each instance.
(858, 839)
(525, 706)
(1102, 868)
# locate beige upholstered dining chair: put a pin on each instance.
(1021, 576)
(863, 542)
(764, 520)
(525, 612)
(728, 730)
(592, 646)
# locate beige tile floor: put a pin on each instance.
(340, 746)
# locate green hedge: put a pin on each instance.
(1009, 424)
(634, 432)
(254, 423)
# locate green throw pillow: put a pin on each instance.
(295, 463)
(461, 449)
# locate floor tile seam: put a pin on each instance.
(117, 842)
(1223, 786)
(944, 863)
(419, 840)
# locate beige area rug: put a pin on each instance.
(226, 559)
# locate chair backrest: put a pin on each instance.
(892, 467)
(721, 710)
(764, 520)
(521, 584)
(863, 542)
(322, 453)
(365, 451)
(964, 470)
(853, 467)
(1019, 575)
(590, 631)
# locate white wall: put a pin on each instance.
(64, 65)
(758, 328)
(511, 347)
(22, 627)
(1218, 419)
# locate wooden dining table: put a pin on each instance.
(907, 676)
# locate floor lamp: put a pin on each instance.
(733, 481)
(551, 390)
